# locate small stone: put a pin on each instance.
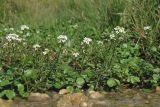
(63, 91)
(96, 95)
(37, 97)
(127, 90)
(104, 92)
(4, 103)
(83, 104)
(137, 97)
(90, 92)
(158, 90)
(149, 96)
(72, 100)
(101, 104)
(55, 96)
(77, 98)
(147, 102)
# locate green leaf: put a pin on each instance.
(153, 48)
(70, 89)
(4, 83)
(156, 77)
(10, 94)
(2, 94)
(91, 86)
(147, 90)
(87, 75)
(77, 90)
(80, 81)
(30, 74)
(156, 70)
(21, 90)
(118, 82)
(133, 79)
(113, 82)
(57, 85)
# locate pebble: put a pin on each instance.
(158, 90)
(84, 104)
(55, 96)
(137, 97)
(147, 102)
(4, 103)
(38, 97)
(96, 95)
(72, 100)
(149, 96)
(101, 104)
(63, 91)
(93, 99)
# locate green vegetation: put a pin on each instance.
(78, 44)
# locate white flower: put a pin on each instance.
(27, 34)
(19, 31)
(125, 45)
(112, 36)
(5, 45)
(24, 43)
(62, 38)
(12, 29)
(45, 51)
(75, 26)
(13, 37)
(147, 28)
(37, 31)
(87, 40)
(121, 38)
(99, 42)
(117, 32)
(5, 29)
(119, 29)
(24, 27)
(36, 46)
(64, 51)
(75, 54)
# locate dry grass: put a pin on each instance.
(29, 11)
(99, 13)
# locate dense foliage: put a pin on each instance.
(80, 51)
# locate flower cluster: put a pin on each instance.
(87, 41)
(100, 42)
(36, 46)
(12, 29)
(62, 38)
(24, 27)
(112, 36)
(13, 37)
(75, 54)
(45, 51)
(119, 29)
(117, 33)
(147, 28)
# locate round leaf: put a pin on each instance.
(70, 89)
(80, 81)
(111, 82)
